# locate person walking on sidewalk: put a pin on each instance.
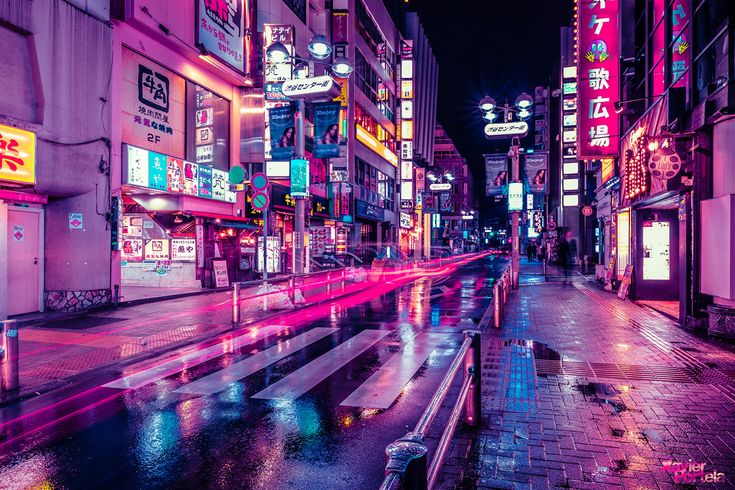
(564, 252)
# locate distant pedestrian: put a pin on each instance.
(564, 256)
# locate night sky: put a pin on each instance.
(499, 48)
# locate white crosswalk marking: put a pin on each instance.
(221, 379)
(142, 378)
(302, 380)
(383, 387)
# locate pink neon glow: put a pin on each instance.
(356, 294)
(598, 74)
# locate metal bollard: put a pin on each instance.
(496, 304)
(407, 457)
(236, 303)
(116, 297)
(292, 287)
(343, 279)
(10, 374)
(473, 362)
(329, 282)
(544, 267)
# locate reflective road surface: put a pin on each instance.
(307, 402)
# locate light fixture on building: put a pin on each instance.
(203, 51)
(524, 114)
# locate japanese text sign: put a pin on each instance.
(153, 102)
(599, 71)
(221, 28)
(17, 155)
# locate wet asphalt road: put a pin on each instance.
(299, 406)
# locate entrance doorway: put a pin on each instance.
(24, 260)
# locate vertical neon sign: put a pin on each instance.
(682, 54)
(599, 71)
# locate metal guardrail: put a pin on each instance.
(407, 466)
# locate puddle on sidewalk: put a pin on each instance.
(602, 393)
(538, 349)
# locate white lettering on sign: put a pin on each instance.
(315, 87)
(506, 130)
(440, 187)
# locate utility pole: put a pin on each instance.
(515, 253)
(300, 204)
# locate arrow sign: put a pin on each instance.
(259, 201)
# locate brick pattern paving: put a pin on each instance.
(583, 390)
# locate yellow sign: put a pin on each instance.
(367, 139)
(17, 155)
(342, 97)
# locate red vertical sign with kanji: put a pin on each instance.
(599, 74)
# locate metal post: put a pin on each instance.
(10, 375)
(407, 457)
(236, 303)
(300, 207)
(544, 267)
(496, 304)
(516, 250)
(343, 279)
(292, 287)
(329, 282)
(116, 297)
(265, 259)
(473, 361)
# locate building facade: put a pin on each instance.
(55, 157)
(451, 184)
(663, 180)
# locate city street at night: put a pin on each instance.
(367, 244)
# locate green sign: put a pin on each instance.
(299, 177)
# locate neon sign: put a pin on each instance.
(599, 71)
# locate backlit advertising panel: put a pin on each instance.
(599, 71)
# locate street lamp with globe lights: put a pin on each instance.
(523, 109)
(320, 50)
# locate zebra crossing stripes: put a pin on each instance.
(307, 377)
(384, 386)
(153, 374)
(220, 380)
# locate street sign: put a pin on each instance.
(506, 130)
(587, 211)
(515, 196)
(259, 201)
(314, 88)
(440, 187)
(237, 174)
(259, 181)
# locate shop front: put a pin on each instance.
(653, 218)
(21, 225)
(177, 222)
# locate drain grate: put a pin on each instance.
(551, 367)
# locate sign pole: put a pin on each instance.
(515, 256)
(299, 211)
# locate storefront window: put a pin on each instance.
(364, 119)
(208, 123)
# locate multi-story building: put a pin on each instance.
(55, 156)
(655, 96)
(452, 187)
(178, 74)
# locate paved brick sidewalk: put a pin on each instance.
(584, 390)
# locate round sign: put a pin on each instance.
(664, 164)
(259, 181)
(552, 225)
(587, 211)
(259, 201)
(237, 174)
